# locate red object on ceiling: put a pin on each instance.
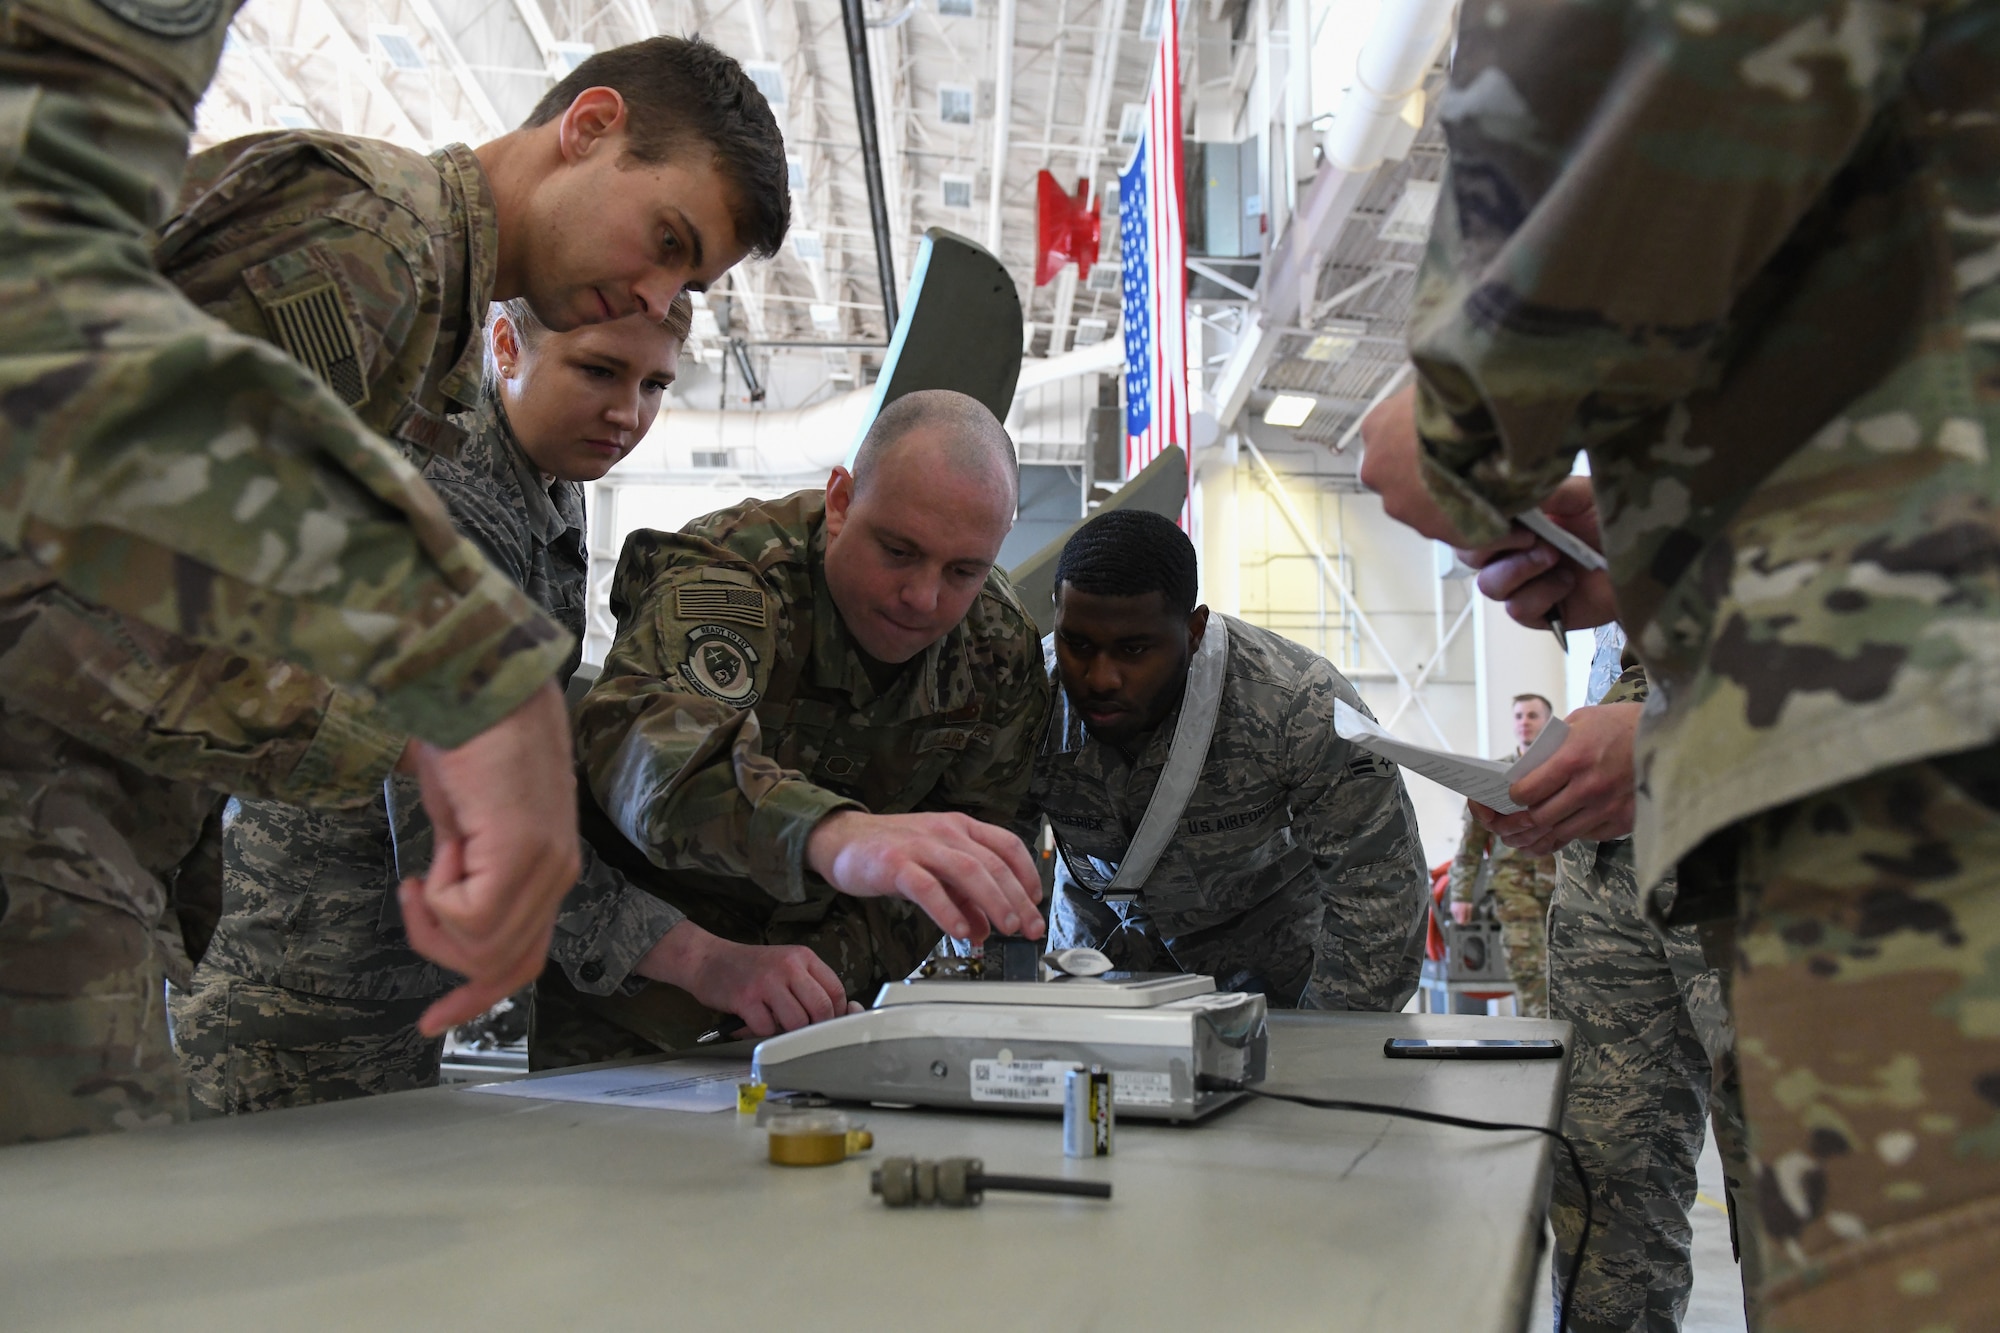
(1066, 228)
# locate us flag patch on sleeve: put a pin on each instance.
(313, 327)
(721, 601)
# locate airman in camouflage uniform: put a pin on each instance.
(1296, 871)
(1652, 1055)
(310, 991)
(1744, 256)
(736, 711)
(1521, 886)
(157, 463)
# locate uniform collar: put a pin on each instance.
(940, 682)
(543, 502)
(480, 216)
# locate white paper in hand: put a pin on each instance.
(1484, 780)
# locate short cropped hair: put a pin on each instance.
(973, 436)
(1547, 707)
(1128, 553)
(682, 96)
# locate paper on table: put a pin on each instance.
(1484, 780)
(677, 1085)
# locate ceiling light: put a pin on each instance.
(1289, 410)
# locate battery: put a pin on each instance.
(1088, 1115)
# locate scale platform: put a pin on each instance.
(1007, 1045)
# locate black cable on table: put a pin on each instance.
(1210, 1083)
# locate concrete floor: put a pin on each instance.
(1717, 1303)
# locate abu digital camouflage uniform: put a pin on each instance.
(156, 462)
(1296, 872)
(1652, 1056)
(735, 712)
(1745, 256)
(1521, 886)
(310, 991)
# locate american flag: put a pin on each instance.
(1154, 253)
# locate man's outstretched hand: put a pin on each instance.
(771, 987)
(972, 878)
(503, 806)
(1584, 790)
(1391, 467)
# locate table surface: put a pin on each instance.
(457, 1208)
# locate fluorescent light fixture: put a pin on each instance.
(769, 77)
(826, 318)
(705, 326)
(1409, 221)
(957, 190)
(954, 104)
(795, 174)
(395, 44)
(569, 55)
(1289, 410)
(1091, 331)
(808, 246)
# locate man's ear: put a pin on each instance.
(839, 496)
(597, 114)
(1197, 626)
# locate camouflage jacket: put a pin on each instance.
(78, 688)
(310, 901)
(371, 264)
(1298, 857)
(170, 46)
(1744, 256)
(734, 711)
(1513, 875)
(250, 511)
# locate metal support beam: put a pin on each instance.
(468, 82)
(1310, 541)
(856, 28)
(1003, 116)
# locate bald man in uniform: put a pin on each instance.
(807, 694)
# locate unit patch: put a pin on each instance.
(166, 18)
(722, 665)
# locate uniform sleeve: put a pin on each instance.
(230, 722)
(1535, 336)
(1472, 847)
(1350, 808)
(607, 924)
(670, 741)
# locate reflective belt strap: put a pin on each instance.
(1184, 764)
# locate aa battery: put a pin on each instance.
(1088, 1115)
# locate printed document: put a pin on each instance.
(1484, 780)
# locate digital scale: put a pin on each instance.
(1006, 1045)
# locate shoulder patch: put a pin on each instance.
(309, 319)
(721, 664)
(166, 18)
(718, 600)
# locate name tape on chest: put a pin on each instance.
(721, 664)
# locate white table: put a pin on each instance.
(458, 1209)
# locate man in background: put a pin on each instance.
(1518, 883)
